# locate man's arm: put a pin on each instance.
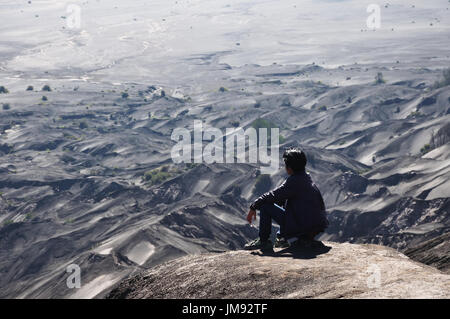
(278, 195)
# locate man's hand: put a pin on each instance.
(251, 216)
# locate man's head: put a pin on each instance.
(294, 160)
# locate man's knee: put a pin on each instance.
(265, 208)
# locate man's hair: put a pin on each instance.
(295, 159)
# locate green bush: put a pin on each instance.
(125, 95)
(322, 108)
(425, 149)
(158, 175)
(44, 98)
(3, 90)
(6, 106)
(415, 114)
(46, 88)
(30, 88)
(83, 125)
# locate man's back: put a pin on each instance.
(305, 209)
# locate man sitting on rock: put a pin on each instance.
(297, 206)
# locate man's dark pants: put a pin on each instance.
(267, 213)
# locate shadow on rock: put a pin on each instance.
(297, 251)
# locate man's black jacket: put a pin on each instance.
(303, 203)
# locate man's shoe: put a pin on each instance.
(258, 244)
(280, 242)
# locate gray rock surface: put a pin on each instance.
(333, 271)
(434, 252)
